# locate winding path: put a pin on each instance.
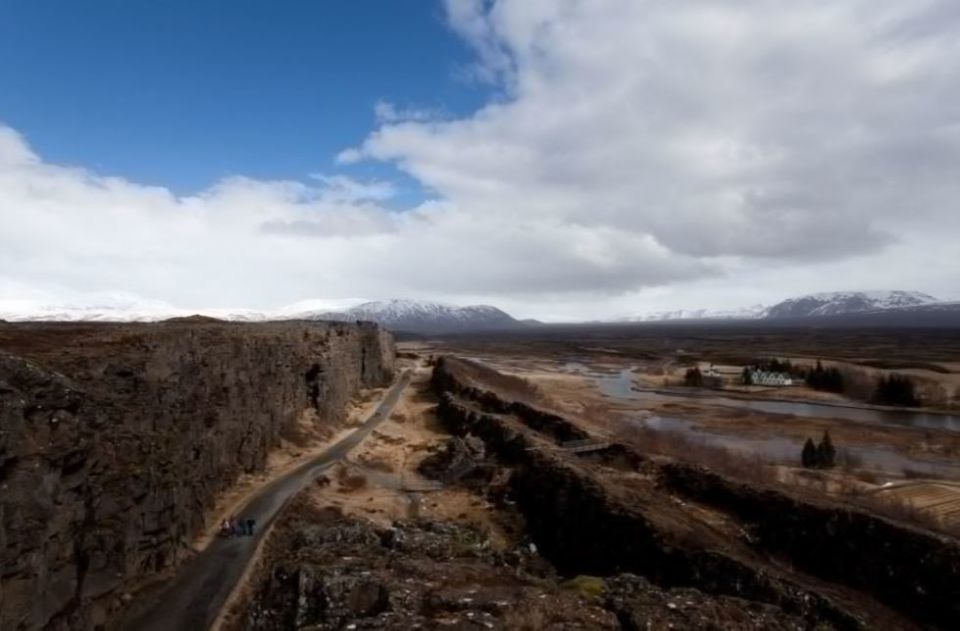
(196, 595)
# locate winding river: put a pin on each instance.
(619, 385)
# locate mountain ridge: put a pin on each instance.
(414, 316)
(417, 316)
(827, 303)
(430, 317)
(847, 302)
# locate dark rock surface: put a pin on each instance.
(460, 458)
(640, 605)
(325, 571)
(116, 439)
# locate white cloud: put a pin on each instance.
(386, 112)
(633, 151)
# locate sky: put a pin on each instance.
(561, 159)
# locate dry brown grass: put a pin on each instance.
(867, 476)
(676, 446)
(903, 511)
(350, 482)
(750, 469)
(509, 387)
(377, 463)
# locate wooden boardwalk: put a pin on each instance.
(584, 446)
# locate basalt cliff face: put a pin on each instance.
(116, 439)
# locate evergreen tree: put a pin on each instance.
(693, 377)
(827, 379)
(826, 453)
(896, 390)
(809, 455)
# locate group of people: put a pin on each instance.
(234, 527)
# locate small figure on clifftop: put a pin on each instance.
(250, 524)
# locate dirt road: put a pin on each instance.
(194, 598)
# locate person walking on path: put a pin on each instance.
(250, 524)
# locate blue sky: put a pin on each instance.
(181, 93)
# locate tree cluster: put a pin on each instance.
(819, 456)
(826, 379)
(693, 377)
(777, 365)
(896, 390)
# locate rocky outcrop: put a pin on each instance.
(116, 439)
(322, 570)
(325, 571)
(912, 570)
(685, 527)
(458, 376)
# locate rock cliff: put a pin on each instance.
(116, 439)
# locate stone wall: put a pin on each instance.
(115, 441)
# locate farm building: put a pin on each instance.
(767, 378)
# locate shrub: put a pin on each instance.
(589, 586)
(809, 455)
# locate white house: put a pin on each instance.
(766, 378)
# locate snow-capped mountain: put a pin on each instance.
(424, 317)
(835, 303)
(398, 315)
(845, 302)
(101, 308)
(413, 316)
(745, 313)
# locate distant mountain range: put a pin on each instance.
(411, 316)
(845, 302)
(838, 303)
(416, 316)
(756, 311)
(422, 317)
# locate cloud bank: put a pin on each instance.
(631, 149)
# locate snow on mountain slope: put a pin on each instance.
(399, 315)
(843, 302)
(813, 305)
(746, 313)
(103, 308)
(424, 317)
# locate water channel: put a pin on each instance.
(619, 385)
